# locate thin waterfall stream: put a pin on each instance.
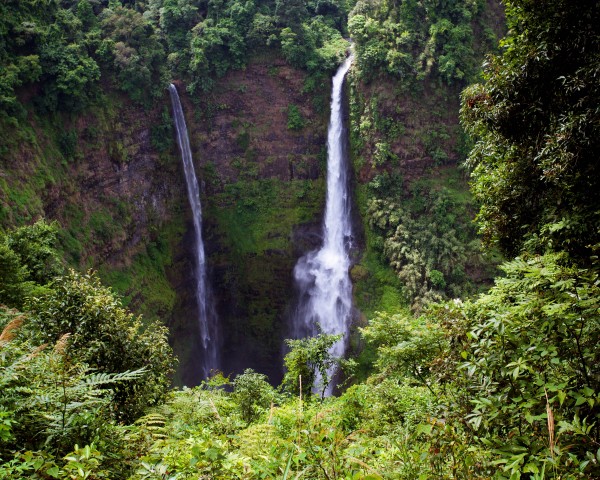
(322, 276)
(207, 318)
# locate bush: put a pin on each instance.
(253, 393)
(295, 120)
(106, 337)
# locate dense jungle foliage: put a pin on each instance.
(501, 385)
(68, 49)
(413, 59)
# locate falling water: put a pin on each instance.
(322, 275)
(206, 313)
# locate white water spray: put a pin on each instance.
(206, 313)
(322, 275)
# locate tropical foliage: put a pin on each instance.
(64, 48)
(415, 39)
(502, 385)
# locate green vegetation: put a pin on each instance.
(104, 336)
(74, 364)
(427, 236)
(29, 261)
(66, 47)
(412, 40)
(308, 361)
(295, 120)
(255, 221)
(534, 170)
(502, 385)
(406, 142)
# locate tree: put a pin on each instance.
(309, 359)
(254, 394)
(535, 165)
(131, 48)
(12, 276)
(291, 13)
(177, 17)
(35, 245)
(531, 367)
(405, 345)
(28, 260)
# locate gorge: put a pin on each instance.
(432, 201)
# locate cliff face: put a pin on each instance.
(243, 129)
(112, 176)
(406, 133)
(100, 175)
(263, 197)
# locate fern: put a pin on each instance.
(55, 403)
(154, 424)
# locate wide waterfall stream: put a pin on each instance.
(322, 276)
(207, 318)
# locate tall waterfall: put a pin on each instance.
(206, 313)
(322, 277)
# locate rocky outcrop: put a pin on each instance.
(405, 133)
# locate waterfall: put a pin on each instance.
(206, 313)
(322, 277)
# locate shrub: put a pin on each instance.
(106, 337)
(295, 120)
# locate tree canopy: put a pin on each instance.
(535, 168)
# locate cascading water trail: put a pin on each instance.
(322, 276)
(207, 318)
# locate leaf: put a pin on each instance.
(54, 472)
(424, 428)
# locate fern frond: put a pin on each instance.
(151, 420)
(154, 424)
(102, 378)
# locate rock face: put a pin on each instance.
(97, 173)
(410, 135)
(263, 199)
(243, 128)
(122, 175)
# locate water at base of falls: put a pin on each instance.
(207, 318)
(322, 276)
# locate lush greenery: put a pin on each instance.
(503, 385)
(28, 261)
(412, 40)
(427, 237)
(62, 48)
(534, 168)
(74, 364)
(412, 59)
